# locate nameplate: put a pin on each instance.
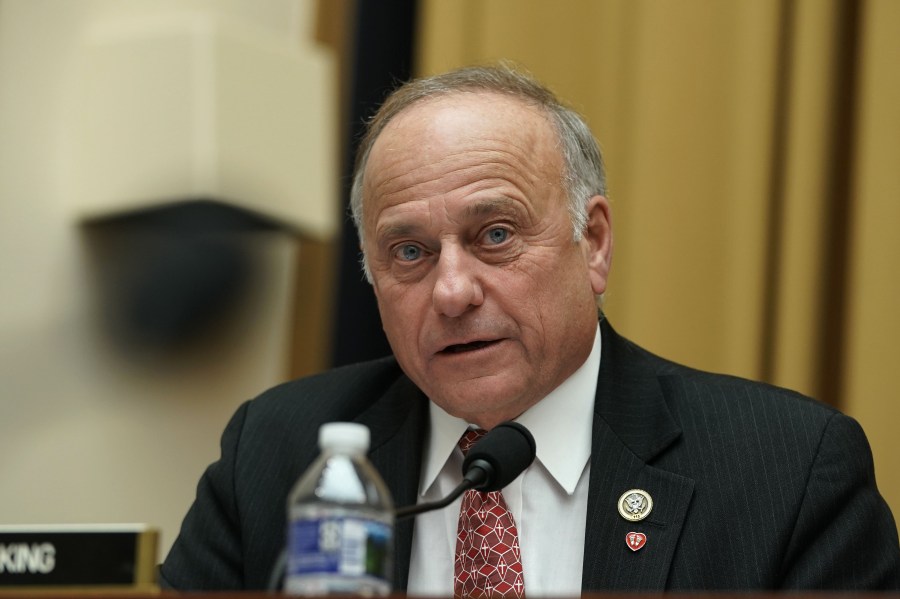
(86, 556)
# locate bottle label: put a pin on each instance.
(345, 545)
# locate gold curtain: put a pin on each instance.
(752, 152)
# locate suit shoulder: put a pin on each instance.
(723, 390)
(278, 430)
(689, 389)
(752, 420)
(337, 394)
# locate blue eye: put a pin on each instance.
(497, 235)
(409, 252)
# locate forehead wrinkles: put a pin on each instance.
(462, 172)
(417, 157)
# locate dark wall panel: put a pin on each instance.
(382, 57)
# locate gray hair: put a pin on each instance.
(583, 175)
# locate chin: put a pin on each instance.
(472, 401)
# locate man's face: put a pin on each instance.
(487, 301)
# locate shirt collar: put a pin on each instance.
(561, 424)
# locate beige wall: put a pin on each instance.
(92, 431)
(873, 324)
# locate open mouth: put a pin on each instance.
(467, 347)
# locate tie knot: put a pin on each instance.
(470, 438)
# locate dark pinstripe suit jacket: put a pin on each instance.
(754, 487)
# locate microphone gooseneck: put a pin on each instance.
(492, 463)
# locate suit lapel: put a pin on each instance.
(398, 422)
(632, 425)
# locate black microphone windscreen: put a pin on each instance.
(509, 448)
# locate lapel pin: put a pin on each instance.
(635, 540)
(635, 505)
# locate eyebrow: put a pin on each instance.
(480, 208)
(500, 205)
(398, 230)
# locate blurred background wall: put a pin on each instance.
(164, 168)
(751, 149)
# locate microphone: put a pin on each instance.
(491, 464)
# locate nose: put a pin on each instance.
(456, 287)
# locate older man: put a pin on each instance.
(486, 234)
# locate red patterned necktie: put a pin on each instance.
(488, 562)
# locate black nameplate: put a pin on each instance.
(94, 558)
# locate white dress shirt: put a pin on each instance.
(548, 501)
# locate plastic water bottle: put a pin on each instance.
(340, 520)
